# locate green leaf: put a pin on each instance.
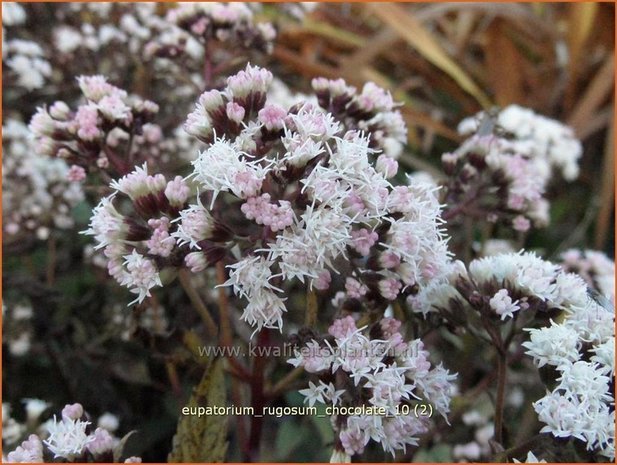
(289, 437)
(203, 439)
(119, 448)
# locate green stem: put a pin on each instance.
(198, 304)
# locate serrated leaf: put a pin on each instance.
(203, 439)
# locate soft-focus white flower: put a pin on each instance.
(34, 408)
(13, 14)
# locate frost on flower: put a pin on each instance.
(362, 367)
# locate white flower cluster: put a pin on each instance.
(484, 431)
(594, 267)
(501, 172)
(71, 439)
(536, 137)
(137, 27)
(13, 14)
(379, 371)
(36, 192)
(17, 329)
(505, 284)
(581, 349)
(309, 181)
(26, 63)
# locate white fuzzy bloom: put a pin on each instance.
(531, 458)
(223, 168)
(67, 438)
(502, 304)
(106, 224)
(594, 267)
(34, 408)
(196, 224)
(383, 383)
(13, 14)
(580, 404)
(605, 356)
(141, 275)
(531, 274)
(250, 278)
(555, 345)
(315, 239)
(67, 39)
(537, 137)
(109, 421)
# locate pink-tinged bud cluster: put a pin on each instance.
(323, 280)
(101, 443)
(389, 288)
(231, 23)
(355, 289)
(100, 132)
(371, 110)
(363, 239)
(262, 211)
(72, 412)
(160, 243)
(137, 245)
(177, 192)
(224, 112)
(489, 181)
(30, 451)
(76, 174)
(535, 137)
(373, 367)
(196, 262)
(386, 165)
(272, 117)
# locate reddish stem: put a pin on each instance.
(258, 398)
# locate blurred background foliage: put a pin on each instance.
(444, 62)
